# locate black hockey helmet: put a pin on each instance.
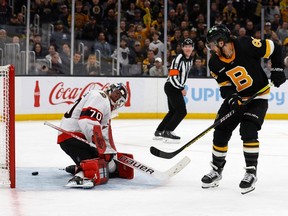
(218, 32)
(187, 41)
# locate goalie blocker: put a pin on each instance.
(122, 171)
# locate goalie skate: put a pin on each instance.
(78, 182)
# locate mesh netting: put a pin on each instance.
(4, 126)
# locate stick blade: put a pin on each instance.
(158, 153)
(178, 167)
(154, 151)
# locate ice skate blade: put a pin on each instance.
(86, 185)
(210, 185)
(157, 138)
(79, 186)
(247, 190)
(172, 141)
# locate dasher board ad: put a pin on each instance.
(54, 95)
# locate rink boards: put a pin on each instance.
(147, 98)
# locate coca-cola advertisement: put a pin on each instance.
(51, 95)
(37, 94)
(62, 94)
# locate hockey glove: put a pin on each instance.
(235, 103)
(277, 76)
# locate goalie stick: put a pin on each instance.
(169, 155)
(130, 162)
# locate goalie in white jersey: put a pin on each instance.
(89, 119)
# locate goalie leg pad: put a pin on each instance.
(123, 170)
(95, 169)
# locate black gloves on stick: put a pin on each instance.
(235, 103)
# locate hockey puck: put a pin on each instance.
(35, 173)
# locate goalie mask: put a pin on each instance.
(118, 95)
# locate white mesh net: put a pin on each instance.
(4, 127)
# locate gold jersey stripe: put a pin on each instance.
(222, 149)
(226, 83)
(264, 95)
(269, 48)
(255, 144)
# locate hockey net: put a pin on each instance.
(7, 126)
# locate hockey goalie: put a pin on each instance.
(90, 119)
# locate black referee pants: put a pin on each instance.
(177, 108)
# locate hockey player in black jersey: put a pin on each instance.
(235, 64)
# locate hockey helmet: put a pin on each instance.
(217, 33)
(123, 94)
(187, 41)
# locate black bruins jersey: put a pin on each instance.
(243, 72)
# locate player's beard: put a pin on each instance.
(227, 56)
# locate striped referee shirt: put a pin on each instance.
(179, 71)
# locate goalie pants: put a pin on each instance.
(177, 108)
(250, 123)
(78, 150)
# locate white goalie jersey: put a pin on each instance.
(92, 109)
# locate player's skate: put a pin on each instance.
(170, 137)
(248, 182)
(212, 179)
(158, 135)
(79, 181)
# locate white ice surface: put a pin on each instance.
(45, 194)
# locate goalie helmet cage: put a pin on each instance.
(7, 126)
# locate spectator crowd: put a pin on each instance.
(142, 46)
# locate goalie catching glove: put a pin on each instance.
(277, 76)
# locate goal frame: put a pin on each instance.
(11, 123)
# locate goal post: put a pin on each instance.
(7, 126)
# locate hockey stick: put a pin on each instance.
(130, 162)
(169, 155)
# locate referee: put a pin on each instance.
(175, 91)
